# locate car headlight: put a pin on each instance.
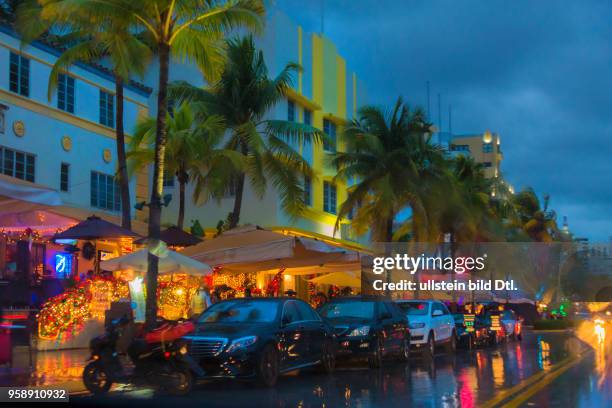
(359, 331)
(241, 343)
(416, 325)
(183, 350)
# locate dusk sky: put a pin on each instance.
(536, 72)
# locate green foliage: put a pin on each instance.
(393, 161)
(193, 150)
(243, 96)
(393, 164)
(196, 229)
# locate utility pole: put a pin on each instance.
(450, 119)
(428, 102)
(439, 118)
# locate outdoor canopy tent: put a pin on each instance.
(339, 279)
(331, 267)
(254, 249)
(173, 262)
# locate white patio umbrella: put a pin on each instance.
(172, 262)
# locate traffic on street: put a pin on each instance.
(266, 350)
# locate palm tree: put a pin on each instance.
(243, 96)
(392, 159)
(192, 152)
(88, 34)
(190, 30)
(466, 214)
(536, 221)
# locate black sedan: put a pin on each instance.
(261, 338)
(368, 327)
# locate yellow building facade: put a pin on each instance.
(325, 94)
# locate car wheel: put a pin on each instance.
(430, 348)
(96, 379)
(328, 357)
(405, 350)
(268, 370)
(182, 382)
(451, 345)
(375, 359)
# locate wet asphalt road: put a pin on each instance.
(545, 369)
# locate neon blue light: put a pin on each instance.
(63, 265)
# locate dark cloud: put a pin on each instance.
(536, 72)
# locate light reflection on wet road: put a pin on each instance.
(466, 380)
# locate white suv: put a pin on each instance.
(431, 324)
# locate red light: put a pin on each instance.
(166, 354)
(421, 306)
(16, 316)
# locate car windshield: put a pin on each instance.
(415, 308)
(357, 310)
(241, 312)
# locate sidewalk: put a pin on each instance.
(58, 369)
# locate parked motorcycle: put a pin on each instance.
(164, 365)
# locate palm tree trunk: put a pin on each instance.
(124, 186)
(235, 217)
(182, 179)
(388, 248)
(158, 185)
(453, 250)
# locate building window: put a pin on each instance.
(329, 197)
(168, 179)
(65, 93)
(460, 148)
(329, 128)
(64, 176)
(487, 147)
(290, 111)
(105, 192)
(307, 191)
(17, 164)
(487, 164)
(19, 76)
(107, 109)
(307, 117)
(2, 118)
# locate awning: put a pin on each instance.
(252, 249)
(18, 195)
(331, 267)
(338, 279)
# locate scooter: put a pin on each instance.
(166, 366)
